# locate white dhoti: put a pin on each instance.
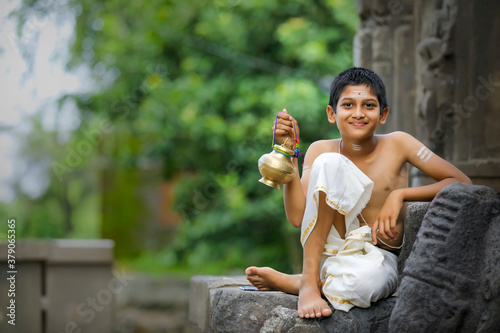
(355, 271)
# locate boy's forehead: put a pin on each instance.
(356, 91)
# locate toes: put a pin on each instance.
(307, 313)
(255, 280)
(317, 311)
(326, 312)
(250, 271)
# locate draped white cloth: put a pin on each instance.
(355, 271)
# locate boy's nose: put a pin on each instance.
(358, 113)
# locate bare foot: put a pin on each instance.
(311, 304)
(266, 278)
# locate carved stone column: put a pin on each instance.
(440, 61)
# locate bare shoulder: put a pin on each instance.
(401, 142)
(399, 137)
(326, 145)
(317, 148)
(322, 146)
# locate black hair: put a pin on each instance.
(357, 76)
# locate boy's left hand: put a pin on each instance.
(386, 220)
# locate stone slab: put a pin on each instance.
(199, 297)
(414, 215)
(234, 310)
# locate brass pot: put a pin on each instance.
(276, 167)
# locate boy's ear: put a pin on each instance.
(331, 114)
(383, 116)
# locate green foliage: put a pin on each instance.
(196, 85)
(68, 206)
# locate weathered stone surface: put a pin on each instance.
(451, 279)
(414, 216)
(234, 310)
(200, 292)
(374, 319)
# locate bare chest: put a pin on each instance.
(387, 176)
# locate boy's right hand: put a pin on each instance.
(284, 129)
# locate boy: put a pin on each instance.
(351, 201)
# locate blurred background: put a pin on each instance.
(142, 122)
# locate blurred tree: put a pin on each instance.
(196, 85)
(55, 184)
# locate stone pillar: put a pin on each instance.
(440, 60)
(477, 125)
(384, 43)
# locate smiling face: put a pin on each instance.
(358, 112)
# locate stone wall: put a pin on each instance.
(57, 285)
(440, 60)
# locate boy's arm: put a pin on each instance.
(295, 199)
(295, 191)
(293, 195)
(443, 172)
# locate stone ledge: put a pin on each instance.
(227, 309)
(217, 304)
(234, 310)
(201, 289)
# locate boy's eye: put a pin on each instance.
(348, 105)
(370, 105)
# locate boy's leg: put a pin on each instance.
(266, 278)
(311, 304)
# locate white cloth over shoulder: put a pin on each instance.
(355, 271)
(347, 190)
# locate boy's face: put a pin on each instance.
(358, 112)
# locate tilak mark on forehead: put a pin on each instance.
(359, 93)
